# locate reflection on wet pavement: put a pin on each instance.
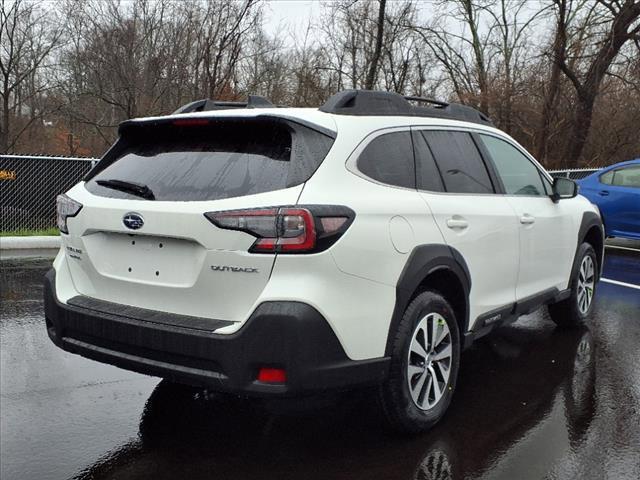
(532, 402)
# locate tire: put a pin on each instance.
(402, 413)
(574, 311)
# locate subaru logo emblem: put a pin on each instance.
(133, 220)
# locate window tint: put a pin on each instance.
(607, 178)
(223, 159)
(627, 177)
(459, 161)
(389, 159)
(518, 174)
(427, 174)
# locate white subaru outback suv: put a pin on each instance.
(284, 251)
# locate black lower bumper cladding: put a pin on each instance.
(289, 335)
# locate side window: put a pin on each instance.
(627, 177)
(389, 159)
(459, 162)
(518, 174)
(427, 174)
(607, 178)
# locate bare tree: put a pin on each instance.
(68, 78)
(147, 57)
(27, 40)
(509, 29)
(224, 27)
(483, 48)
(622, 26)
(362, 39)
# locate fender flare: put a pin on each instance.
(423, 261)
(589, 220)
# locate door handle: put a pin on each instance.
(603, 193)
(457, 223)
(527, 219)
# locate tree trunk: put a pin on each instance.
(582, 118)
(373, 68)
(4, 125)
(483, 82)
(549, 106)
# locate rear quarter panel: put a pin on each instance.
(368, 260)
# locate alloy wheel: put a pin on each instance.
(586, 282)
(429, 362)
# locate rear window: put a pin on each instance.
(389, 159)
(189, 161)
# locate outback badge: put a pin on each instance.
(228, 268)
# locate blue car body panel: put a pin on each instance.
(619, 205)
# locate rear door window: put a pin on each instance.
(388, 159)
(627, 177)
(459, 161)
(427, 174)
(607, 178)
(210, 160)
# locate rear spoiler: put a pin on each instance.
(127, 125)
(253, 101)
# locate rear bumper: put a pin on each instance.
(289, 335)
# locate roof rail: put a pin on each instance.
(253, 101)
(437, 103)
(369, 102)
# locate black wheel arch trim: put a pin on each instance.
(423, 261)
(589, 221)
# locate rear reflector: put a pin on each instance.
(272, 375)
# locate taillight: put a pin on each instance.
(304, 229)
(66, 208)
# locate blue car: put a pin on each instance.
(616, 192)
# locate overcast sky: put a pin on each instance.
(290, 15)
(284, 17)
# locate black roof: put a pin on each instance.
(370, 102)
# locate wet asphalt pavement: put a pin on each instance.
(532, 402)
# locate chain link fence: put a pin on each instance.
(573, 174)
(29, 186)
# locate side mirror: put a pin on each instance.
(563, 188)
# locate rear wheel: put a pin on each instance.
(424, 365)
(574, 310)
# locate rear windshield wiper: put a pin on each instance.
(137, 189)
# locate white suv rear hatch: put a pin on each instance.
(169, 173)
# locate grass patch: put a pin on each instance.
(46, 232)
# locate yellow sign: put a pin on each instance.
(8, 175)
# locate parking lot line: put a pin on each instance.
(623, 284)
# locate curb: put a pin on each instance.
(29, 243)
